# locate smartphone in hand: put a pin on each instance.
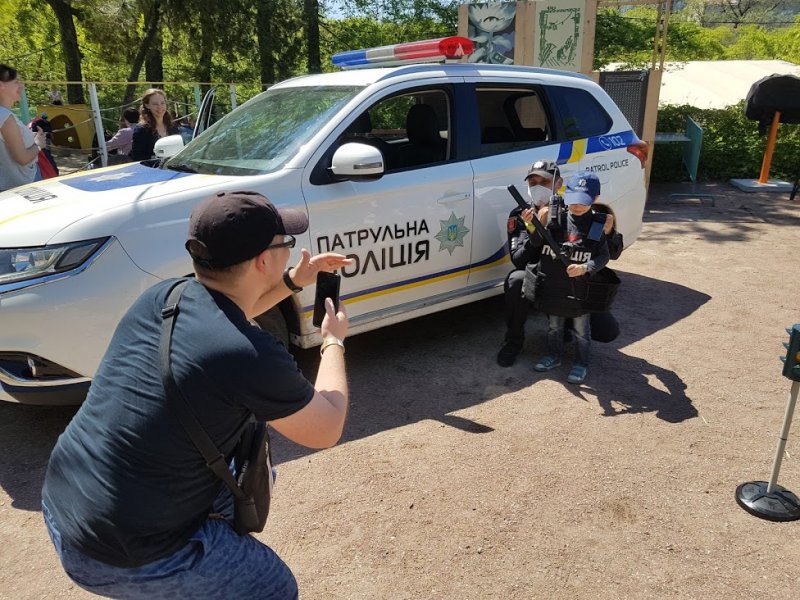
(327, 287)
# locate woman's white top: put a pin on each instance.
(12, 173)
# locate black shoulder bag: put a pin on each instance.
(252, 480)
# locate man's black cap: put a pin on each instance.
(231, 227)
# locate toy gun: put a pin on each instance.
(558, 251)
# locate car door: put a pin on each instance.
(410, 231)
(519, 121)
(511, 129)
(206, 113)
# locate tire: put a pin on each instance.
(274, 322)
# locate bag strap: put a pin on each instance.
(215, 460)
(600, 218)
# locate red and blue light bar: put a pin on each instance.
(447, 48)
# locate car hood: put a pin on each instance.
(33, 214)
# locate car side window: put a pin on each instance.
(511, 119)
(411, 130)
(578, 113)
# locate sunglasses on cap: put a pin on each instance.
(288, 242)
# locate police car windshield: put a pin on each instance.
(265, 132)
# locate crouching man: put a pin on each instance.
(127, 495)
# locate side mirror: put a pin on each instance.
(357, 161)
(168, 147)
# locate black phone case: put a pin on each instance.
(327, 287)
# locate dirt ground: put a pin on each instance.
(459, 479)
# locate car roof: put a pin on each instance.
(368, 76)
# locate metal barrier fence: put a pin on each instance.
(83, 128)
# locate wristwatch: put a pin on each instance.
(331, 340)
(289, 283)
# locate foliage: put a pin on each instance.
(362, 32)
(264, 41)
(629, 37)
(732, 146)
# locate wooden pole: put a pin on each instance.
(773, 135)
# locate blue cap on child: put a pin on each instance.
(582, 188)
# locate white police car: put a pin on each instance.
(404, 169)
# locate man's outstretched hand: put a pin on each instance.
(305, 273)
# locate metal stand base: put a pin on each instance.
(780, 505)
(696, 198)
(753, 185)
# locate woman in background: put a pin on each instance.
(19, 146)
(155, 122)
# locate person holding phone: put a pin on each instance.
(128, 500)
(19, 146)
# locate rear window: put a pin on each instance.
(511, 119)
(578, 113)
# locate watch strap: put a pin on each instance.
(289, 283)
(330, 341)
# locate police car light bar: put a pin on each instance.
(437, 50)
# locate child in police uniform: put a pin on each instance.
(563, 288)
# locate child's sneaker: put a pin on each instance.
(547, 363)
(577, 374)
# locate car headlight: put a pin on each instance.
(25, 264)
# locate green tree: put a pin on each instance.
(754, 42)
(311, 15)
(63, 11)
(623, 38)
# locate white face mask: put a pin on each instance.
(539, 194)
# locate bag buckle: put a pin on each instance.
(215, 461)
(169, 311)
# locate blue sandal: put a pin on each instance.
(577, 374)
(547, 363)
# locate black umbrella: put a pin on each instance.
(773, 93)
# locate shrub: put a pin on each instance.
(732, 146)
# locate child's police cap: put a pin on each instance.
(582, 188)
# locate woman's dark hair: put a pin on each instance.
(7, 73)
(131, 115)
(146, 118)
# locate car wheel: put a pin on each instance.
(274, 322)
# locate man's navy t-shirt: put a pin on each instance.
(125, 483)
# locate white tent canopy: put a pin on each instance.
(714, 83)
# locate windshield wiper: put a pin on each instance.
(182, 168)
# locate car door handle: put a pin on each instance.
(456, 198)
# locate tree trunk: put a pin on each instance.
(311, 9)
(70, 49)
(206, 49)
(154, 61)
(151, 29)
(265, 42)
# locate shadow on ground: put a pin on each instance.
(439, 364)
(423, 369)
(27, 436)
(691, 211)
(628, 384)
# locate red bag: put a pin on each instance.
(46, 167)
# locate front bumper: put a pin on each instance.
(53, 334)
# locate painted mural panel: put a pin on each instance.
(491, 28)
(559, 35)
